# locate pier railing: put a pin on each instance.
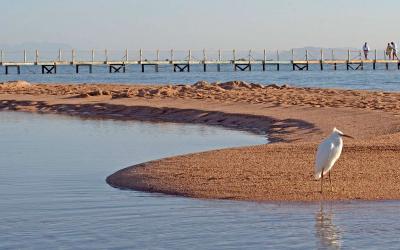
(104, 55)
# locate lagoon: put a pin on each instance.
(53, 194)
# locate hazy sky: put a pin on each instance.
(184, 24)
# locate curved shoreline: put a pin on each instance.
(256, 124)
(279, 171)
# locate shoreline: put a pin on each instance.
(199, 175)
(294, 119)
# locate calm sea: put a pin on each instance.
(380, 79)
(54, 196)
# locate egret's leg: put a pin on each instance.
(322, 178)
(330, 182)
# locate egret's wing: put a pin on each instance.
(325, 153)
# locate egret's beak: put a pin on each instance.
(348, 136)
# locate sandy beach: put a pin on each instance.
(294, 119)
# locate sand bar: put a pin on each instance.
(295, 119)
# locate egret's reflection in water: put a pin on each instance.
(328, 234)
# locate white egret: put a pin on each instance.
(328, 153)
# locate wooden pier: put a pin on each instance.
(181, 61)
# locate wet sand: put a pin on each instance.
(295, 119)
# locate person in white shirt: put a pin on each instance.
(394, 50)
(389, 51)
(366, 50)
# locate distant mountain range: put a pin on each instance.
(314, 53)
(35, 45)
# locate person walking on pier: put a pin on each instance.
(366, 50)
(394, 46)
(389, 51)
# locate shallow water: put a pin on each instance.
(380, 79)
(53, 195)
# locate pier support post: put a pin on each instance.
(49, 69)
(359, 66)
(249, 60)
(182, 67)
(322, 60)
(79, 65)
(242, 66)
(204, 60)
(116, 68)
(150, 64)
(277, 59)
(189, 59)
(264, 60)
(300, 66)
(15, 66)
